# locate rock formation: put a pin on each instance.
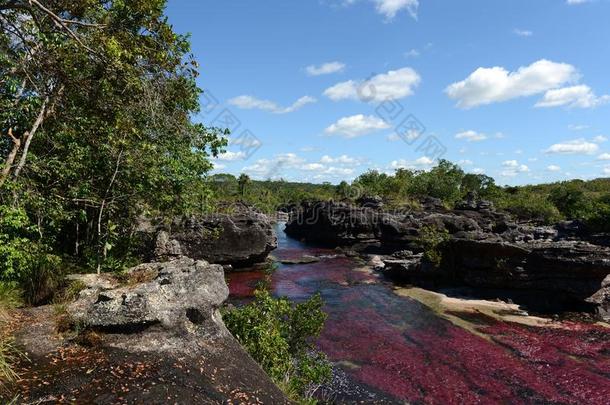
(154, 336)
(240, 239)
(485, 249)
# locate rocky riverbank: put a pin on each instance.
(562, 266)
(152, 336)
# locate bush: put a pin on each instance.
(24, 259)
(9, 299)
(430, 239)
(530, 206)
(571, 201)
(279, 336)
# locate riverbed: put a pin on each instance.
(393, 344)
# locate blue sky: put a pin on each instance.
(325, 89)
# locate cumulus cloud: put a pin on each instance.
(471, 136)
(553, 168)
(325, 68)
(420, 163)
(600, 139)
(604, 156)
(252, 103)
(393, 85)
(341, 160)
(356, 125)
(390, 8)
(580, 96)
(496, 84)
(513, 168)
(229, 156)
(577, 146)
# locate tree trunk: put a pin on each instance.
(101, 214)
(30, 134)
(11, 157)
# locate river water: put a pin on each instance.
(398, 345)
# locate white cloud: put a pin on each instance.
(604, 156)
(389, 8)
(393, 137)
(496, 84)
(580, 96)
(341, 160)
(419, 163)
(477, 170)
(325, 68)
(356, 125)
(522, 33)
(393, 85)
(607, 170)
(252, 103)
(465, 162)
(513, 168)
(471, 136)
(413, 53)
(575, 2)
(577, 146)
(600, 139)
(313, 167)
(577, 127)
(229, 156)
(553, 168)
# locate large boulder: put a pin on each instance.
(172, 298)
(241, 239)
(154, 336)
(337, 224)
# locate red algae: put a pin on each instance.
(400, 347)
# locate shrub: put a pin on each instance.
(279, 336)
(9, 299)
(571, 201)
(24, 259)
(430, 240)
(529, 206)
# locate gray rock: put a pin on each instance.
(178, 297)
(241, 239)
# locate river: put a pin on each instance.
(392, 344)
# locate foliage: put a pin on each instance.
(279, 336)
(431, 239)
(529, 206)
(9, 299)
(96, 129)
(24, 259)
(570, 200)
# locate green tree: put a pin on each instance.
(243, 181)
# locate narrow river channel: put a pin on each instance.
(397, 345)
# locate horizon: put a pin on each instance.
(516, 91)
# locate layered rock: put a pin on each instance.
(486, 248)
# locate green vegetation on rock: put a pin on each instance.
(280, 335)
